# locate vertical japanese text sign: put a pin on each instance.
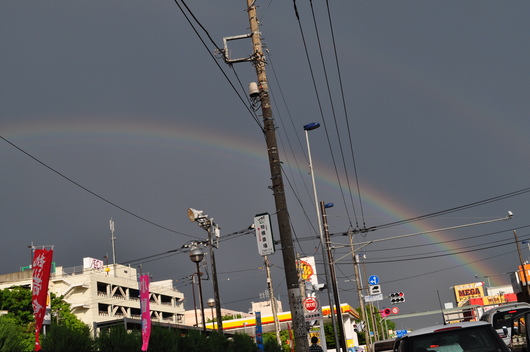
(145, 311)
(262, 224)
(42, 262)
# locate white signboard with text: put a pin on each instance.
(262, 224)
(91, 263)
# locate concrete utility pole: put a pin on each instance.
(274, 304)
(342, 338)
(286, 239)
(219, 316)
(359, 290)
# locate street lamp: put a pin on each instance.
(213, 231)
(196, 256)
(309, 127)
(211, 304)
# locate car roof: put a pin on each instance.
(436, 328)
(508, 307)
(520, 314)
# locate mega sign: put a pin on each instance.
(468, 291)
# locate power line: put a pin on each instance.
(332, 106)
(252, 113)
(448, 268)
(94, 193)
(446, 241)
(454, 209)
(348, 129)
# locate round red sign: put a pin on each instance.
(310, 304)
(395, 310)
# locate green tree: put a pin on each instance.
(17, 301)
(271, 336)
(13, 337)
(270, 344)
(330, 336)
(62, 314)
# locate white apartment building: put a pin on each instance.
(98, 293)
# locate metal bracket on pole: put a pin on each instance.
(225, 52)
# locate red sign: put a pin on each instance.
(311, 304)
(395, 310)
(42, 262)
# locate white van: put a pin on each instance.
(501, 318)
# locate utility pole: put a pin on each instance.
(359, 290)
(342, 338)
(286, 239)
(219, 317)
(274, 304)
(365, 283)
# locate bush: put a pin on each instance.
(117, 339)
(216, 342)
(63, 338)
(193, 341)
(243, 343)
(271, 345)
(12, 336)
(164, 339)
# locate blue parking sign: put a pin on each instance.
(373, 280)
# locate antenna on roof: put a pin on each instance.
(441, 307)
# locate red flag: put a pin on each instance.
(42, 262)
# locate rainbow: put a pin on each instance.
(389, 208)
(227, 146)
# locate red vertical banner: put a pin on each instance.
(42, 263)
(145, 311)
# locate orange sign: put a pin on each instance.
(523, 276)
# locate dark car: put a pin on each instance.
(501, 318)
(519, 332)
(475, 336)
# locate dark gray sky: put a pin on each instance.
(124, 99)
